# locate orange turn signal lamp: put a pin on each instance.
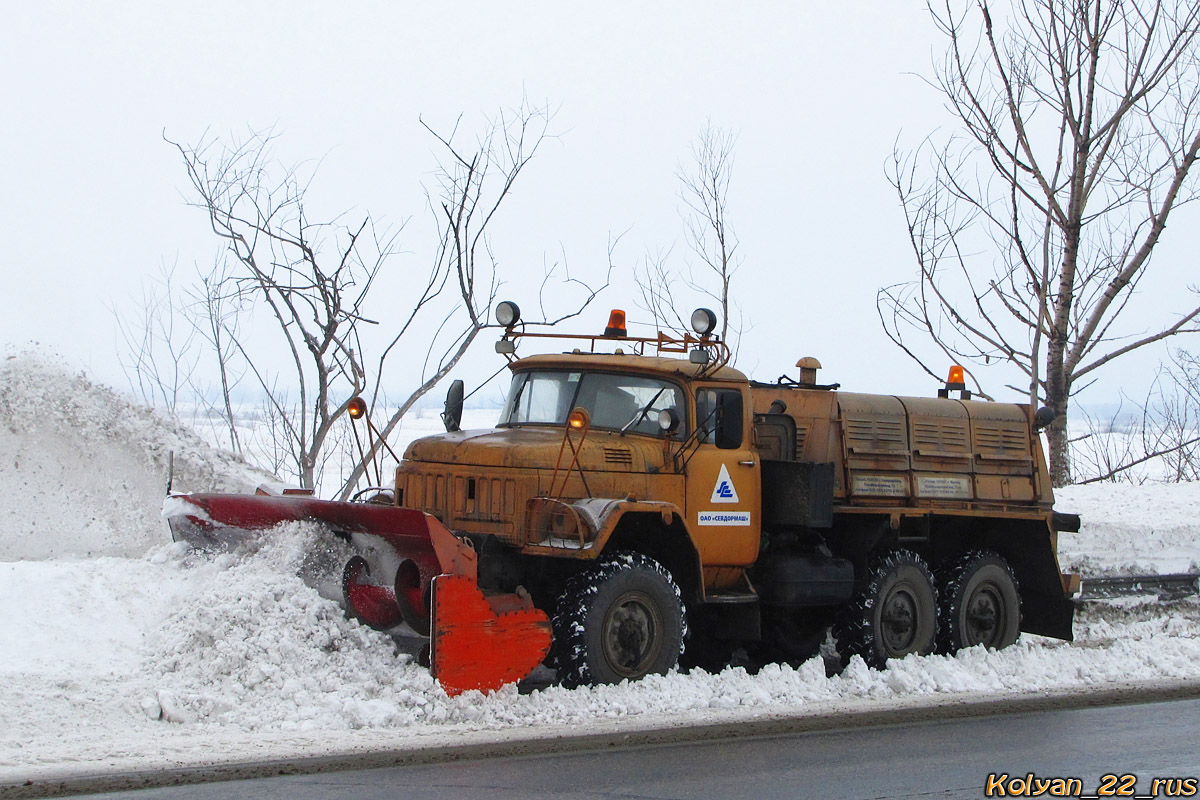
(356, 408)
(616, 324)
(579, 419)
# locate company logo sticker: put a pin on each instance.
(738, 518)
(724, 492)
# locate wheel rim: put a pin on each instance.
(632, 634)
(898, 621)
(983, 614)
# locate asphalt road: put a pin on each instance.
(946, 759)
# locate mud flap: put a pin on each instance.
(1047, 615)
(480, 642)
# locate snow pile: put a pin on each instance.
(83, 471)
(1131, 530)
(256, 647)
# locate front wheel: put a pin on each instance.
(893, 614)
(620, 620)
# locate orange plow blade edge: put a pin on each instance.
(480, 642)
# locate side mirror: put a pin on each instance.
(729, 420)
(452, 415)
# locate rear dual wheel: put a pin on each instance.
(898, 610)
(980, 604)
(894, 612)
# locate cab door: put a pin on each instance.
(724, 506)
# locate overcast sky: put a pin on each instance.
(93, 202)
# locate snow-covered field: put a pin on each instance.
(121, 650)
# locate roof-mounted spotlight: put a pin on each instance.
(704, 321)
(508, 313)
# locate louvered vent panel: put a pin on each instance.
(508, 499)
(875, 434)
(944, 435)
(1001, 440)
(495, 498)
(618, 456)
(801, 439)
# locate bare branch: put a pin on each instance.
(1079, 129)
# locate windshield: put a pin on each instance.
(618, 402)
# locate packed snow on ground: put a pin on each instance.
(122, 650)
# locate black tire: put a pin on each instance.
(894, 612)
(979, 603)
(620, 620)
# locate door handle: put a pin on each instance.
(749, 463)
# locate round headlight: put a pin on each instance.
(668, 420)
(703, 321)
(507, 314)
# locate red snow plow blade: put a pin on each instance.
(408, 565)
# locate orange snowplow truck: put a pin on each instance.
(641, 505)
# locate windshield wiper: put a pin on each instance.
(643, 411)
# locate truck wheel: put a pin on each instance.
(979, 603)
(893, 614)
(619, 620)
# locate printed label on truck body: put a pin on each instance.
(953, 487)
(880, 485)
(738, 518)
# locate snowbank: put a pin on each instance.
(83, 471)
(1130, 529)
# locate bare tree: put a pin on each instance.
(1176, 422)
(704, 189)
(215, 314)
(1078, 127)
(656, 279)
(311, 277)
(166, 343)
(160, 352)
(1108, 450)
(312, 282)
(473, 181)
(704, 192)
(1159, 441)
